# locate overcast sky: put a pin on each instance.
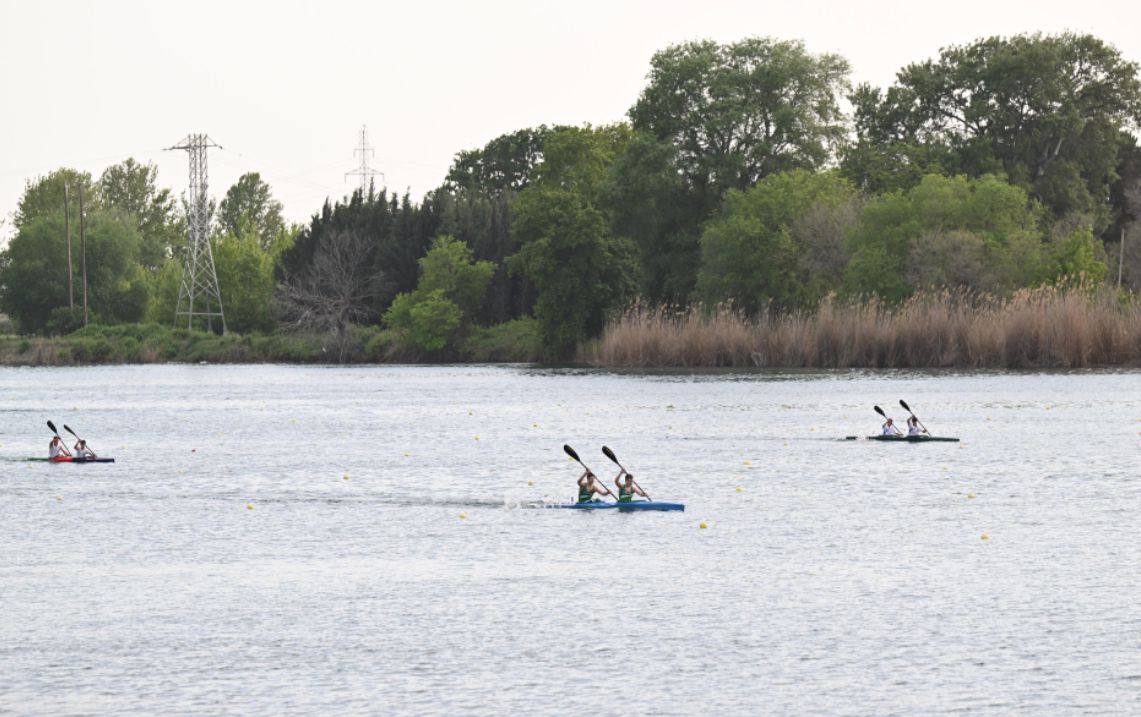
(284, 87)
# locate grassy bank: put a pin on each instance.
(153, 343)
(1039, 328)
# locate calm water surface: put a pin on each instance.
(225, 565)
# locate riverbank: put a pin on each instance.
(1039, 328)
(514, 342)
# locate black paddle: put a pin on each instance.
(610, 454)
(572, 454)
(63, 446)
(880, 411)
(79, 439)
(905, 407)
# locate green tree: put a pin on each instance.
(580, 270)
(133, 188)
(1049, 111)
(33, 279)
(737, 113)
(505, 164)
(44, 196)
(250, 201)
(750, 252)
(245, 280)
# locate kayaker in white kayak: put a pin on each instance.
(913, 428)
(589, 486)
(82, 451)
(56, 448)
(628, 489)
(889, 429)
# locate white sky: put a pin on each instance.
(284, 87)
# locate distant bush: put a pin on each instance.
(517, 341)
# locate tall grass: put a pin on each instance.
(1049, 327)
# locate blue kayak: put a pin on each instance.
(624, 507)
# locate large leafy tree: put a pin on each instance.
(132, 188)
(742, 111)
(581, 271)
(1048, 111)
(44, 196)
(506, 163)
(752, 252)
(249, 203)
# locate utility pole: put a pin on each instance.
(363, 170)
(83, 251)
(198, 294)
(1121, 257)
(67, 228)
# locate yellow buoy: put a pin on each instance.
(534, 425)
(984, 536)
(812, 430)
(477, 438)
(703, 525)
(970, 496)
(59, 497)
(345, 477)
(249, 506)
(469, 412)
(463, 516)
(946, 468)
(748, 463)
(740, 489)
(407, 454)
(530, 482)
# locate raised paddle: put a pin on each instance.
(905, 407)
(571, 452)
(78, 438)
(880, 411)
(62, 445)
(610, 454)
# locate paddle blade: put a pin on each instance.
(609, 454)
(880, 411)
(52, 426)
(905, 406)
(70, 431)
(571, 453)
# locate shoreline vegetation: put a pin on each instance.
(1044, 328)
(1047, 327)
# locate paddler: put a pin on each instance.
(889, 429)
(913, 428)
(589, 486)
(82, 451)
(56, 448)
(627, 489)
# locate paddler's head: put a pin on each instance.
(629, 478)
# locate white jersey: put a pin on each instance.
(914, 431)
(54, 450)
(889, 430)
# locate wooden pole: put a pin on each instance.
(67, 224)
(83, 251)
(1121, 257)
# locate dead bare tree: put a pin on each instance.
(335, 290)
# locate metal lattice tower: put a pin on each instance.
(198, 295)
(364, 151)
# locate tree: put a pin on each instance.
(737, 113)
(505, 164)
(334, 290)
(750, 254)
(34, 275)
(1049, 112)
(566, 248)
(451, 289)
(250, 201)
(245, 280)
(44, 196)
(132, 188)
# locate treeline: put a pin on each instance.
(737, 181)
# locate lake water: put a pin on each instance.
(225, 565)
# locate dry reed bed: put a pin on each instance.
(1047, 327)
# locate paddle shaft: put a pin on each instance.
(908, 409)
(610, 454)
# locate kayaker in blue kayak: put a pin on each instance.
(628, 489)
(889, 429)
(56, 448)
(589, 486)
(82, 451)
